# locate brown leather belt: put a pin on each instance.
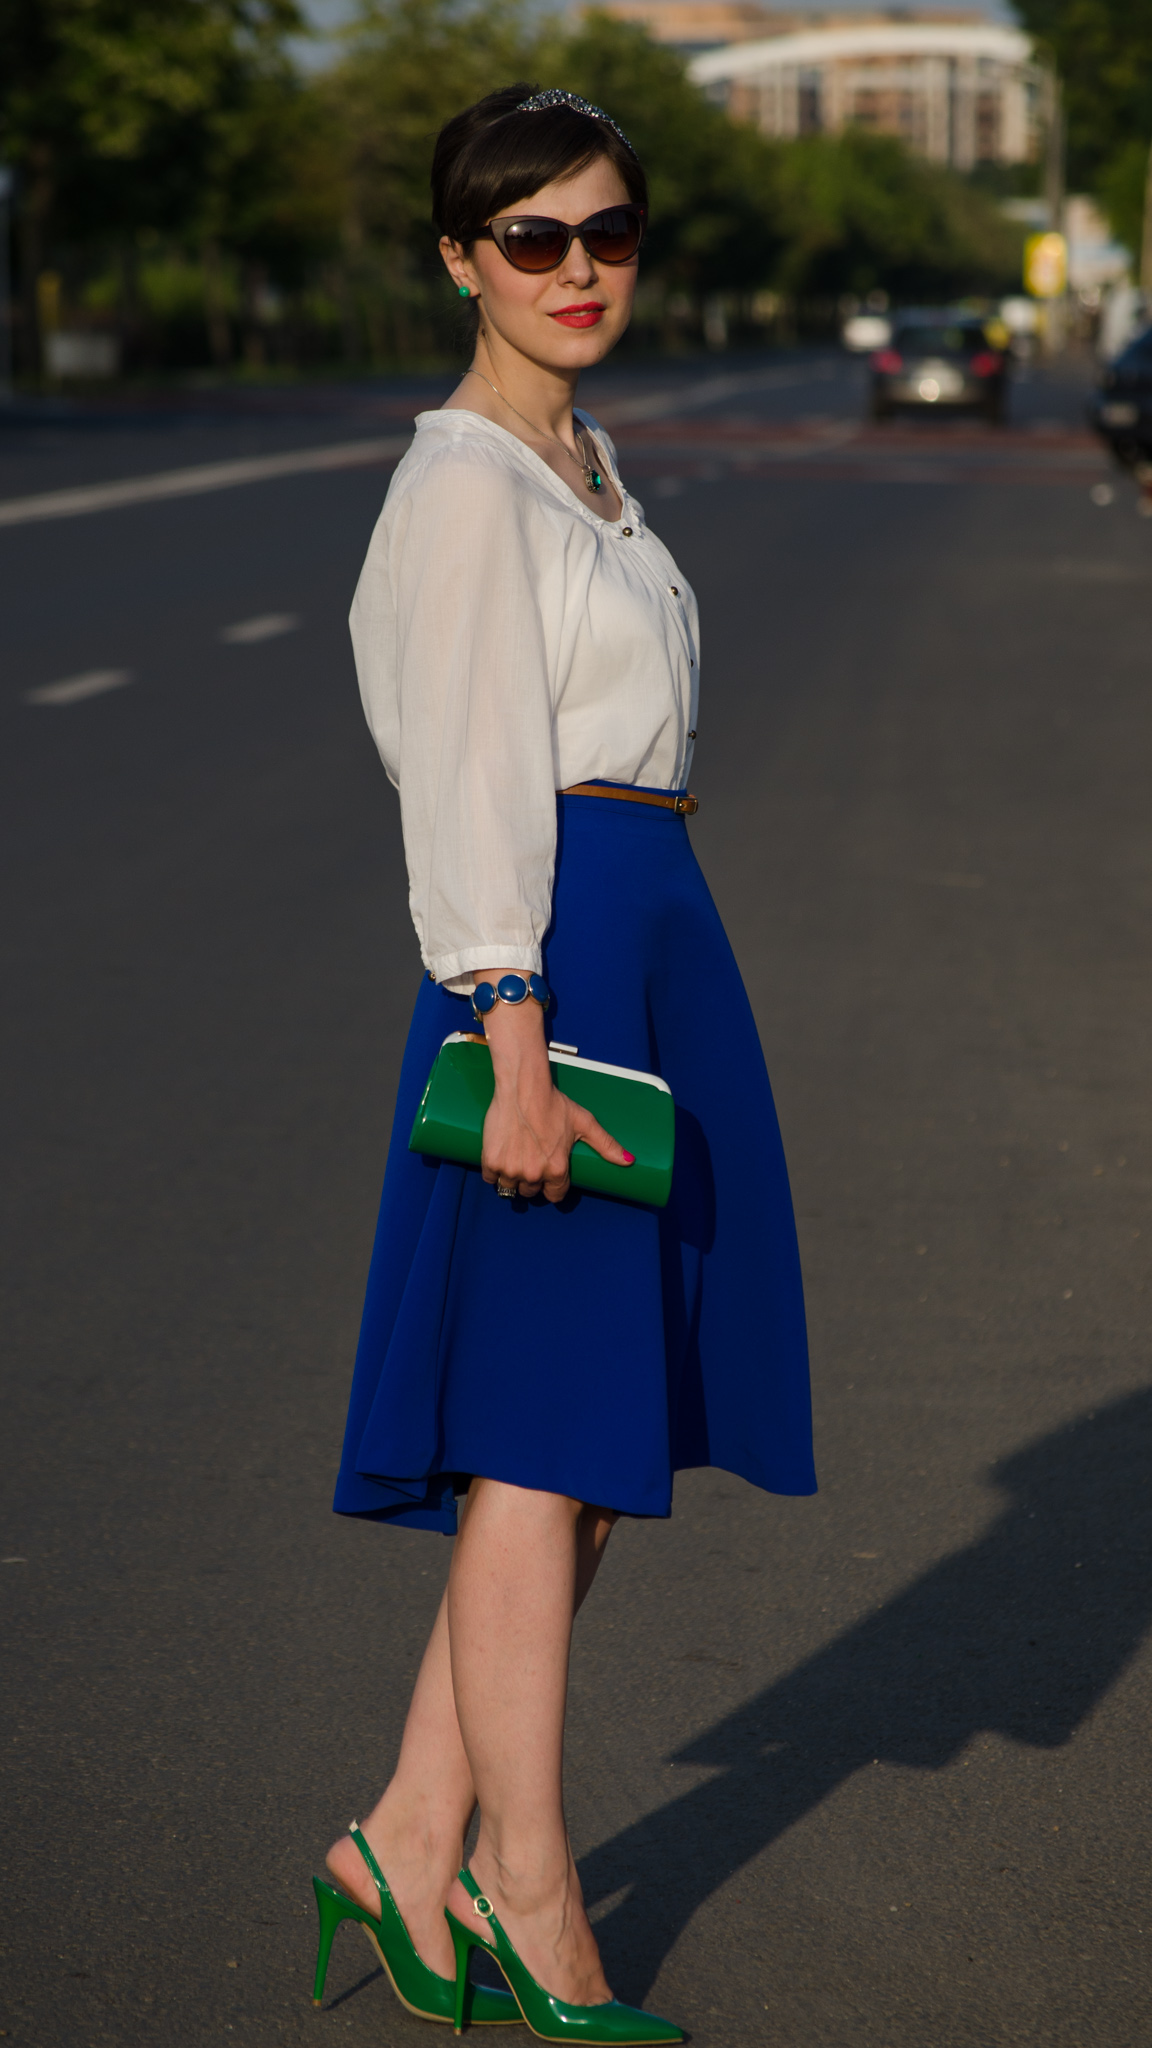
(683, 805)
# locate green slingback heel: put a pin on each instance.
(426, 1994)
(610, 2025)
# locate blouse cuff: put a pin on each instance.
(456, 971)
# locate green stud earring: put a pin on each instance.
(464, 291)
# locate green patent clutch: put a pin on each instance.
(636, 1108)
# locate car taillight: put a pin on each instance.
(888, 362)
(985, 364)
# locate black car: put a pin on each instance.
(942, 361)
(1121, 410)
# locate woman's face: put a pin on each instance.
(566, 318)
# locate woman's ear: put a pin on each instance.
(462, 273)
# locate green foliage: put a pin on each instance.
(1120, 187)
(862, 213)
(1103, 51)
(411, 64)
(116, 111)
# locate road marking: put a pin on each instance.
(190, 483)
(268, 626)
(74, 689)
(687, 397)
(1072, 570)
(952, 881)
(258, 469)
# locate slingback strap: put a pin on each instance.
(377, 1875)
(481, 1906)
(680, 801)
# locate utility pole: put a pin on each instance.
(1146, 238)
(1054, 154)
(5, 284)
(1054, 194)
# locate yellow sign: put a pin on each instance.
(1046, 266)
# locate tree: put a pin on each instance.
(861, 212)
(1103, 51)
(122, 114)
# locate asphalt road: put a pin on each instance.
(870, 1767)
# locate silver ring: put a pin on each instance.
(506, 1192)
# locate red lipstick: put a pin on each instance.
(586, 315)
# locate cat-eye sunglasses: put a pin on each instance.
(537, 243)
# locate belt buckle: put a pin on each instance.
(687, 806)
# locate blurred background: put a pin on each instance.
(239, 188)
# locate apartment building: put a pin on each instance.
(954, 86)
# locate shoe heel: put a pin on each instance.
(463, 1945)
(332, 1911)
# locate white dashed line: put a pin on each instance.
(268, 626)
(75, 688)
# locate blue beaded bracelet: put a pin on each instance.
(511, 988)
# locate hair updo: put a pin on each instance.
(492, 155)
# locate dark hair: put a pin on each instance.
(491, 155)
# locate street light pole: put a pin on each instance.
(5, 284)
(1146, 236)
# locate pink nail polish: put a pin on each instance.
(629, 1159)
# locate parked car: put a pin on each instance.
(1121, 409)
(941, 360)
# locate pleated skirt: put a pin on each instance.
(596, 1347)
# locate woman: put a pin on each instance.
(519, 631)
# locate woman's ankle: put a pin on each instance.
(411, 1839)
(523, 1886)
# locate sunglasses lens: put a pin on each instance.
(613, 236)
(535, 244)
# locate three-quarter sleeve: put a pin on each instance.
(455, 666)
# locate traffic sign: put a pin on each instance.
(1046, 266)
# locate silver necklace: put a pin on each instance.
(588, 470)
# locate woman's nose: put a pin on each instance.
(577, 267)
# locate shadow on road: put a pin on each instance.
(1021, 1633)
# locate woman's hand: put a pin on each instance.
(531, 1127)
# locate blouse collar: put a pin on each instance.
(537, 465)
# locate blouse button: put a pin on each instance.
(627, 532)
(692, 733)
(674, 589)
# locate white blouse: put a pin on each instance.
(510, 643)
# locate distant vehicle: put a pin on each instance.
(941, 360)
(1121, 410)
(865, 331)
(1020, 318)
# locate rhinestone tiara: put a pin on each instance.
(554, 97)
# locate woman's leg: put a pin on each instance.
(416, 1831)
(514, 1586)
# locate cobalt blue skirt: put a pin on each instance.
(594, 1348)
